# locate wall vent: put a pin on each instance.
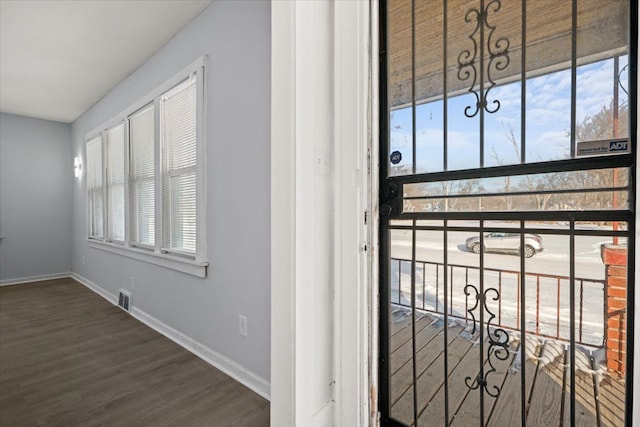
(124, 300)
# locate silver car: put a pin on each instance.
(506, 243)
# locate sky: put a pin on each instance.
(548, 112)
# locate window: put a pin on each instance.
(178, 136)
(115, 182)
(141, 177)
(153, 172)
(94, 187)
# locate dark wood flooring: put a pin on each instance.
(70, 358)
(599, 396)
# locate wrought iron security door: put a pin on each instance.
(507, 212)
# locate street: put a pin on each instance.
(545, 311)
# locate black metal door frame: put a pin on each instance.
(391, 203)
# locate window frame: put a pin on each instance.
(191, 263)
(108, 234)
(92, 139)
(130, 181)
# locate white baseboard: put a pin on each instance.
(112, 298)
(226, 365)
(40, 278)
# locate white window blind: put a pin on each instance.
(115, 183)
(178, 114)
(142, 177)
(95, 187)
(146, 177)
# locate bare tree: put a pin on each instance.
(605, 124)
(528, 183)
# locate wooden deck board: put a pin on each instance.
(398, 321)
(429, 367)
(585, 397)
(462, 363)
(546, 399)
(403, 354)
(404, 333)
(507, 411)
(469, 411)
(547, 385)
(402, 382)
(611, 402)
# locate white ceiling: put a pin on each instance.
(58, 58)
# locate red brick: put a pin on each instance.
(616, 271)
(614, 255)
(619, 282)
(617, 303)
(615, 345)
(616, 335)
(616, 283)
(616, 366)
(617, 292)
(616, 323)
(615, 355)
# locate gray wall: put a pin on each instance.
(236, 37)
(36, 173)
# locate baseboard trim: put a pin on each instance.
(226, 365)
(112, 298)
(40, 278)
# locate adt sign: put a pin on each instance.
(396, 157)
(618, 146)
(603, 148)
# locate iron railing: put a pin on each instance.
(548, 293)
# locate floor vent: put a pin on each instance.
(124, 300)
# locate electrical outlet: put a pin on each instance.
(242, 326)
(84, 260)
(133, 283)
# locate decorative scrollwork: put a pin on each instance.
(498, 50)
(498, 339)
(467, 61)
(619, 78)
(467, 292)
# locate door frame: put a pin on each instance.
(380, 271)
(321, 179)
(284, 404)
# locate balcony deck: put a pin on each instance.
(599, 396)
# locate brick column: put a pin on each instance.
(615, 259)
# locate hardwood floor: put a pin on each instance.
(70, 358)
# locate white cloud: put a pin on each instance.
(548, 146)
(548, 113)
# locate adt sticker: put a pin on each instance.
(618, 146)
(603, 148)
(396, 157)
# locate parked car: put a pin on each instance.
(506, 243)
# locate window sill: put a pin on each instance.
(189, 266)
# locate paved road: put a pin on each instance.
(544, 310)
(553, 260)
